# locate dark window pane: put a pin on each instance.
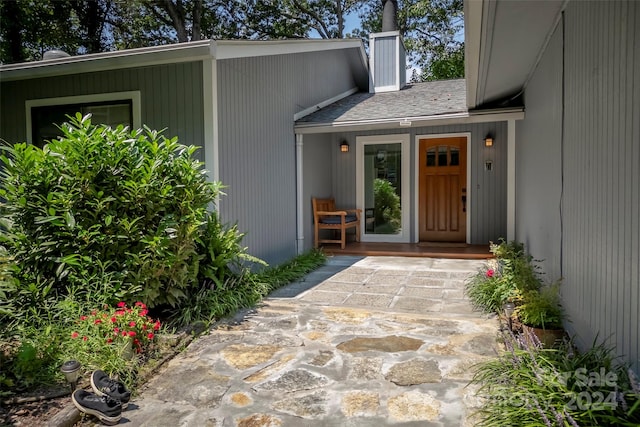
(455, 157)
(442, 155)
(431, 156)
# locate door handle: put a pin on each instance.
(464, 203)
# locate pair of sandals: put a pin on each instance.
(107, 401)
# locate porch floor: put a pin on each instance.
(424, 250)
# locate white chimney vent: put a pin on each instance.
(387, 55)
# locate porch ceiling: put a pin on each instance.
(503, 42)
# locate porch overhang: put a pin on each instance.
(483, 116)
(504, 42)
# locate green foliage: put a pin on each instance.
(386, 207)
(223, 255)
(29, 356)
(541, 308)
(217, 299)
(528, 385)
(515, 273)
(105, 210)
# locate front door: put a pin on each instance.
(442, 188)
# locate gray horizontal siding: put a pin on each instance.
(171, 97)
(257, 99)
(487, 193)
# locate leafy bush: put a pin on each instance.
(541, 308)
(386, 207)
(515, 273)
(217, 299)
(105, 213)
(528, 385)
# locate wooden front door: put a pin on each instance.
(442, 188)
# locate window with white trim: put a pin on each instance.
(46, 119)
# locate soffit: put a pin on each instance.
(508, 37)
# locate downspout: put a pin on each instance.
(299, 197)
(511, 180)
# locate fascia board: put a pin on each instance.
(420, 121)
(472, 35)
(156, 55)
(229, 49)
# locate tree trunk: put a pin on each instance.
(176, 12)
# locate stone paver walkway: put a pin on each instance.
(376, 341)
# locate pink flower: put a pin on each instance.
(74, 334)
(132, 324)
(116, 330)
(84, 338)
(140, 304)
(114, 320)
(144, 312)
(97, 321)
(83, 317)
(490, 273)
(132, 333)
(150, 335)
(156, 325)
(122, 304)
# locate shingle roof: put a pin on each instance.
(415, 100)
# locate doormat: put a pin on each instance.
(442, 245)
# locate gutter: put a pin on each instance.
(483, 116)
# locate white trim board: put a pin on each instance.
(322, 104)
(134, 96)
(405, 140)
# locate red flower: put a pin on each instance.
(490, 273)
(93, 312)
(150, 335)
(140, 304)
(109, 340)
(83, 317)
(114, 320)
(84, 338)
(144, 326)
(156, 325)
(120, 313)
(132, 333)
(124, 333)
(132, 324)
(97, 321)
(144, 312)
(122, 304)
(74, 334)
(116, 330)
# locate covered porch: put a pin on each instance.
(419, 250)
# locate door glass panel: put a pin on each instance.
(382, 186)
(431, 156)
(442, 155)
(455, 156)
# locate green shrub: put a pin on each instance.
(386, 207)
(541, 308)
(532, 386)
(515, 273)
(105, 214)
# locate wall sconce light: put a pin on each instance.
(488, 140)
(344, 146)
